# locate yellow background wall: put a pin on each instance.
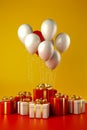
(21, 71)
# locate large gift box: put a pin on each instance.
(39, 109)
(59, 104)
(76, 105)
(7, 105)
(44, 91)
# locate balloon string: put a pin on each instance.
(47, 75)
(30, 70)
(44, 74)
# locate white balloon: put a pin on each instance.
(23, 31)
(45, 50)
(62, 42)
(48, 29)
(54, 60)
(31, 42)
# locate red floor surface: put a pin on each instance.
(68, 122)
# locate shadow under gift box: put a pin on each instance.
(43, 91)
(7, 106)
(76, 105)
(38, 110)
(59, 105)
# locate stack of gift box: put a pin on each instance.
(46, 102)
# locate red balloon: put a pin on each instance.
(40, 36)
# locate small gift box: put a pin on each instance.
(76, 105)
(21, 97)
(44, 91)
(27, 95)
(23, 107)
(7, 105)
(59, 104)
(39, 109)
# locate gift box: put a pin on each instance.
(21, 97)
(59, 105)
(7, 105)
(44, 91)
(17, 98)
(1, 107)
(76, 105)
(27, 95)
(23, 107)
(39, 109)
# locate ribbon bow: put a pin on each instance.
(40, 101)
(74, 97)
(44, 86)
(7, 99)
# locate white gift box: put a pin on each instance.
(39, 110)
(23, 108)
(31, 110)
(76, 106)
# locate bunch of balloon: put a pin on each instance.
(42, 44)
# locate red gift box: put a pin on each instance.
(19, 97)
(1, 107)
(44, 91)
(7, 106)
(28, 95)
(59, 105)
(22, 95)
